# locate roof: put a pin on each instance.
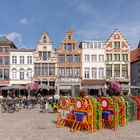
(4, 40)
(22, 50)
(135, 55)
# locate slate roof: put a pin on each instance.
(5, 41)
(22, 50)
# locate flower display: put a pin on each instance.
(32, 86)
(115, 86)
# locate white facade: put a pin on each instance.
(45, 61)
(21, 66)
(93, 60)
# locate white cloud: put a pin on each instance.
(24, 21)
(14, 36)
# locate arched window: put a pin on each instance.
(14, 73)
(45, 81)
(29, 73)
(21, 74)
(44, 39)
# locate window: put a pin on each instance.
(124, 57)
(76, 72)
(1, 73)
(61, 58)
(14, 74)
(6, 74)
(68, 47)
(49, 55)
(69, 37)
(6, 49)
(99, 45)
(94, 58)
(69, 58)
(125, 70)
(37, 69)
(14, 59)
(1, 49)
(116, 57)
(101, 58)
(0, 60)
(44, 57)
(69, 72)
(44, 69)
(109, 57)
(109, 70)
(116, 70)
(44, 39)
(88, 45)
(87, 59)
(21, 74)
(101, 73)
(91, 45)
(94, 73)
(86, 73)
(51, 69)
(29, 59)
(77, 58)
(61, 72)
(6, 60)
(116, 44)
(95, 45)
(74, 46)
(21, 59)
(29, 73)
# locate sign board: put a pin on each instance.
(68, 80)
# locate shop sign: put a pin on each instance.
(69, 80)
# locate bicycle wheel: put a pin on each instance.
(3, 109)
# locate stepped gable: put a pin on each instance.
(116, 35)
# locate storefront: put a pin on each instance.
(68, 86)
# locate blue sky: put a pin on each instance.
(22, 21)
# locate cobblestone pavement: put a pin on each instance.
(34, 125)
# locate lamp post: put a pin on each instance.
(29, 87)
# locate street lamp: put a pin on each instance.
(29, 76)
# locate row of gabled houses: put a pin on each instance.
(89, 64)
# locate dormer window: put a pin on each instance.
(69, 37)
(44, 39)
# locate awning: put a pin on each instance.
(64, 87)
(92, 87)
(17, 87)
(44, 86)
(127, 87)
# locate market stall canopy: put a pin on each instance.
(18, 87)
(127, 87)
(44, 86)
(93, 87)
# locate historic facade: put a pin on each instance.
(93, 65)
(45, 61)
(69, 65)
(5, 46)
(117, 61)
(21, 66)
